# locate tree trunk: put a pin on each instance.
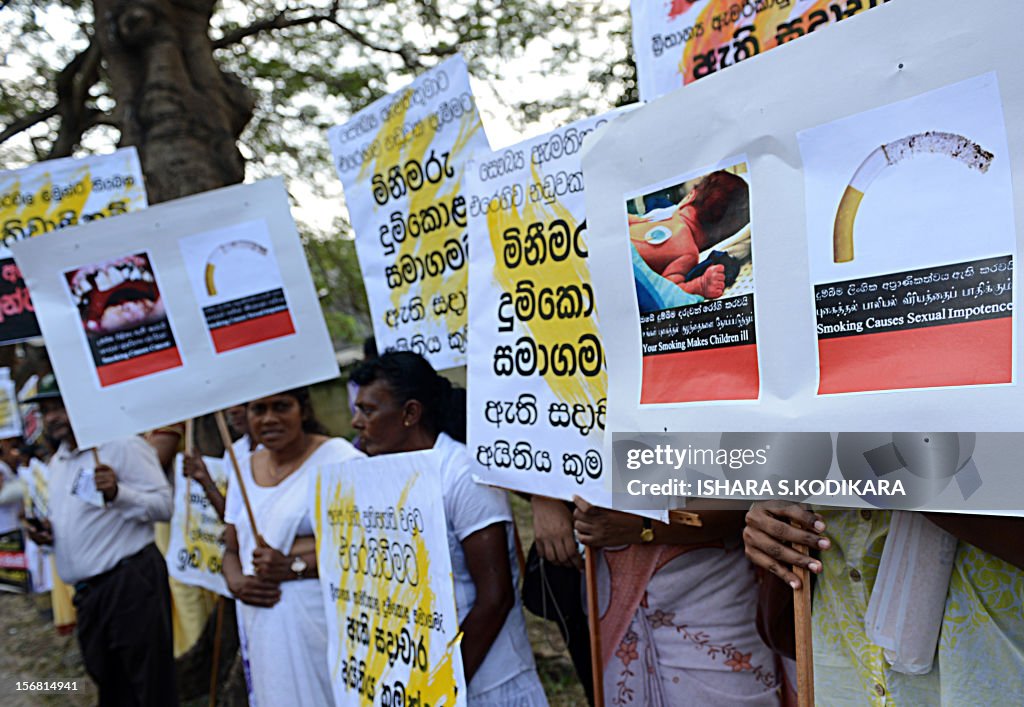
(184, 115)
(174, 103)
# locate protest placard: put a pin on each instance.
(10, 413)
(882, 215)
(35, 476)
(677, 42)
(401, 163)
(52, 195)
(13, 563)
(173, 312)
(386, 576)
(31, 418)
(536, 377)
(196, 548)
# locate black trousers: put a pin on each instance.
(124, 629)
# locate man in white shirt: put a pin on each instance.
(101, 528)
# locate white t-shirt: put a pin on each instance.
(470, 507)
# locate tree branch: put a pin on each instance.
(406, 52)
(279, 21)
(282, 20)
(73, 84)
(22, 124)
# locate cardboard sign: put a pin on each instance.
(883, 213)
(386, 575)
(52, 195)
(195, 552)
(536, 375)
(35, 477)
(401, 162)
(13, 563)
(677, 42)
(10, 413)
(179, 310)
(31, 418)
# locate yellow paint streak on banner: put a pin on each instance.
(420, 147)
(573, 270)
(764, 35)
(24, 218)
(42, 215)
(439, 681)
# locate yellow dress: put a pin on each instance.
(980, 656)
(190, 606)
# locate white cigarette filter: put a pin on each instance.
(957, 147)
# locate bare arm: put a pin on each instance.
(195, 469)
(552, 529)
(487, 560)
(603, 527)
(254, 591)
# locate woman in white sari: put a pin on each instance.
(273, 573)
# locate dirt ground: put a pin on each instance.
(31, 650)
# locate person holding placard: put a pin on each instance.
(101, 528)
(679, 628)
(404, 405)
(976, 649)
(270, 555)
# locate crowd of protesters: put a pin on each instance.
(688, 615)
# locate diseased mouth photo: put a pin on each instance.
(116, 295)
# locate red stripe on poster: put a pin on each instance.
(235, 336)
(729, 373)
(13, 561)
(971, 353)
(138, 367)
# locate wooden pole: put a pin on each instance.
(189, 437)
(520, 557)
(594, 616)
(95, 456)
(225, 437)
(804, 648)
(216, 652)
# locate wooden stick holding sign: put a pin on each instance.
(594, 620)
(189, 446)
(225, 437)
(804, 647)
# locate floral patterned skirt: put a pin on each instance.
(692, 641)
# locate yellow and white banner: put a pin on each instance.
(537, 380)
(386, 576)
(51, 195)
(679, 41)
(401, 162)
(195, 552)
(36, 478)
(10, 413)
